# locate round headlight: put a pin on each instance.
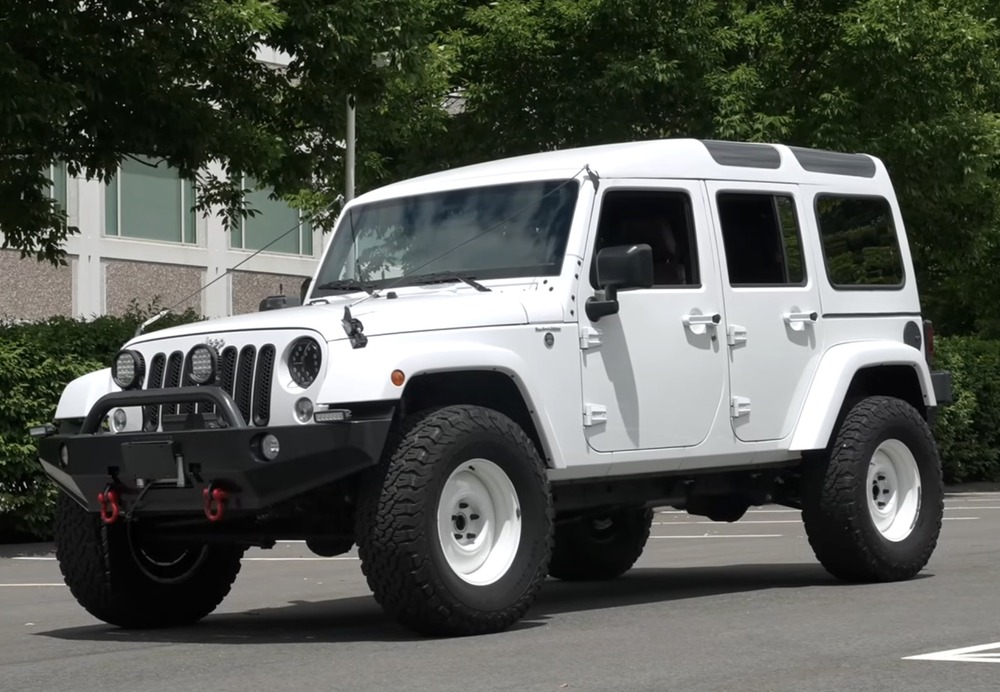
(202, 363)
(304, 360)
(127, 369)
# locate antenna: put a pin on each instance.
(188, 297)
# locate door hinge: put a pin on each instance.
(739, 406)
(589, 338)
(594, 414)
(736, 335)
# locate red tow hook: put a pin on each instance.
(110, 509)
(215, 502)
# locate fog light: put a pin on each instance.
(269, 447)
(64, 455)
(332, 416)
(119, 420)
(304, 410)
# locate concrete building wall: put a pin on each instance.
(108, 271)
(32, 290)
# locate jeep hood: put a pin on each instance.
(410, 312)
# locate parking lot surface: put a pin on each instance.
(709, 606)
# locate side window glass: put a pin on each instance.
(859, 242)
(661, 219)
(762, 239)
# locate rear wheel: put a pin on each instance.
(454, 526)
(600, 547)
(126, 579)
(873, 505)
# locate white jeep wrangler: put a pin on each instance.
(697, 324)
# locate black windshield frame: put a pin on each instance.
(439, 231)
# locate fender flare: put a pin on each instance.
(82, 393)
(432, 357)
(829, 387)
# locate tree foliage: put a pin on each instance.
(910, 81)
(90, 82)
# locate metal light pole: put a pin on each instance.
(349, 173)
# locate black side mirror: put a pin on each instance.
(625, 266)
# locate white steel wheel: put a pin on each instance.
(479, 522)
(893, 490)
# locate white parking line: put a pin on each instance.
(741, 521)
(295, 559)
(968, 654)
(33, 585)
(32, 558)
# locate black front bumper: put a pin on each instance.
(168, 471)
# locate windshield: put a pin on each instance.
(500, 231)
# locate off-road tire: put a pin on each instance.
(397, 533)
(98, 564)
(585, 551)
(835, 510)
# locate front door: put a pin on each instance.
(772, 302)
(655, 373)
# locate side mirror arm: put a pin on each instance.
(597, 308)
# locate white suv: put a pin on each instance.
(698, 324)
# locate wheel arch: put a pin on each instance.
(493, 388)
(851, 372)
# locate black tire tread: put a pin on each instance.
(835, 514)
(97, 565)
(391, 508)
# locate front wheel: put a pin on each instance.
(454, 527)
(125, 579)
(873, 505)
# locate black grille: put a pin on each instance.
(244, 381)
(151, 414)
(262, 386)
(244, 374)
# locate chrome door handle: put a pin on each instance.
(710, 320)
(794, 317)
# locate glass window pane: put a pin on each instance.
(59, 176)
(307, 239)
(150, 202)
(274, 217)
(190, 215)
(760, 233)
(111, 207)
(859, 241)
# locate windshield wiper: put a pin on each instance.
(346, 285)
(445, 277)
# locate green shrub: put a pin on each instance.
(37, 361)
(968, 431)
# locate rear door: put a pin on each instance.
(772, 303)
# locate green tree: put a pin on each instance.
(910, 81)
(90, 83)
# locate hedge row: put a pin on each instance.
(37, 360)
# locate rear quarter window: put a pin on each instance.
(860, 242)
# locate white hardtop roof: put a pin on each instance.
(663, 158)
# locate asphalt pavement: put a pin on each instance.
(709, 606)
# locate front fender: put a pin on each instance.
(82, 393)
(364, 374)
(833, 378)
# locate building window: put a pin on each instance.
(760, 232)
(57, 190)
(859, 242)
(150, 201)
(274, 219)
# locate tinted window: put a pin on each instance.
(761, 235)
(660, 219)
(859, 241)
